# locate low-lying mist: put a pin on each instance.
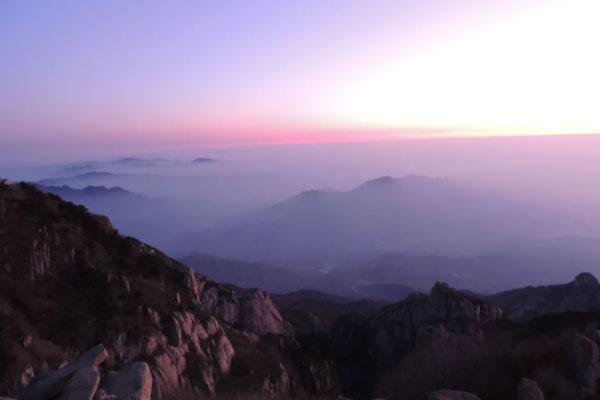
(337, 209)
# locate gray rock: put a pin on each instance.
(446, 394)
(77, 381)
(133, 382)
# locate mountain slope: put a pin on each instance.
(153, 220)
(409, 214)
(68, 281)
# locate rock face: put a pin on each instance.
(133, 382)
(398, 328)
(376, 342)
(451, 395)
(68, 280)
(582, 294)
(260, 315)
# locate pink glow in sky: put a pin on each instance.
(240, 72)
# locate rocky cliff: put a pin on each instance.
(68, 281)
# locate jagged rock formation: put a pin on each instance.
(400, 327)
(372, 343)
(582, 294)
(448, 339)
(68, 280)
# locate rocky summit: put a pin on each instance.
(86, 313)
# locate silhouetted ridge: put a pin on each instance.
(582, 295)
(586, 279)
(405, 182)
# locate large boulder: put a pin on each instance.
(77, 381)
(133, 382)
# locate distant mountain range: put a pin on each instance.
(152, 219)
(413, 214)
(90, 193)
(91, 178)
(202, 160)
(279, 280)
(580, 295)
(389, 277)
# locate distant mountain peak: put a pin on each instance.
(202, 160)
(73, 194)
(104, 189)
(389, 181)
(94, 174)
(381, 182)
(139, 162)
(586, 279)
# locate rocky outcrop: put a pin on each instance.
(582, 294)
(68, 280)
(77, 381)
(371, 344)
(260, 315)
(133, 382)
(451, 395)
(400, 327)
(529, 390)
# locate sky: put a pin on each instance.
(115, 74)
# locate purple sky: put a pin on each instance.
(152, 73)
